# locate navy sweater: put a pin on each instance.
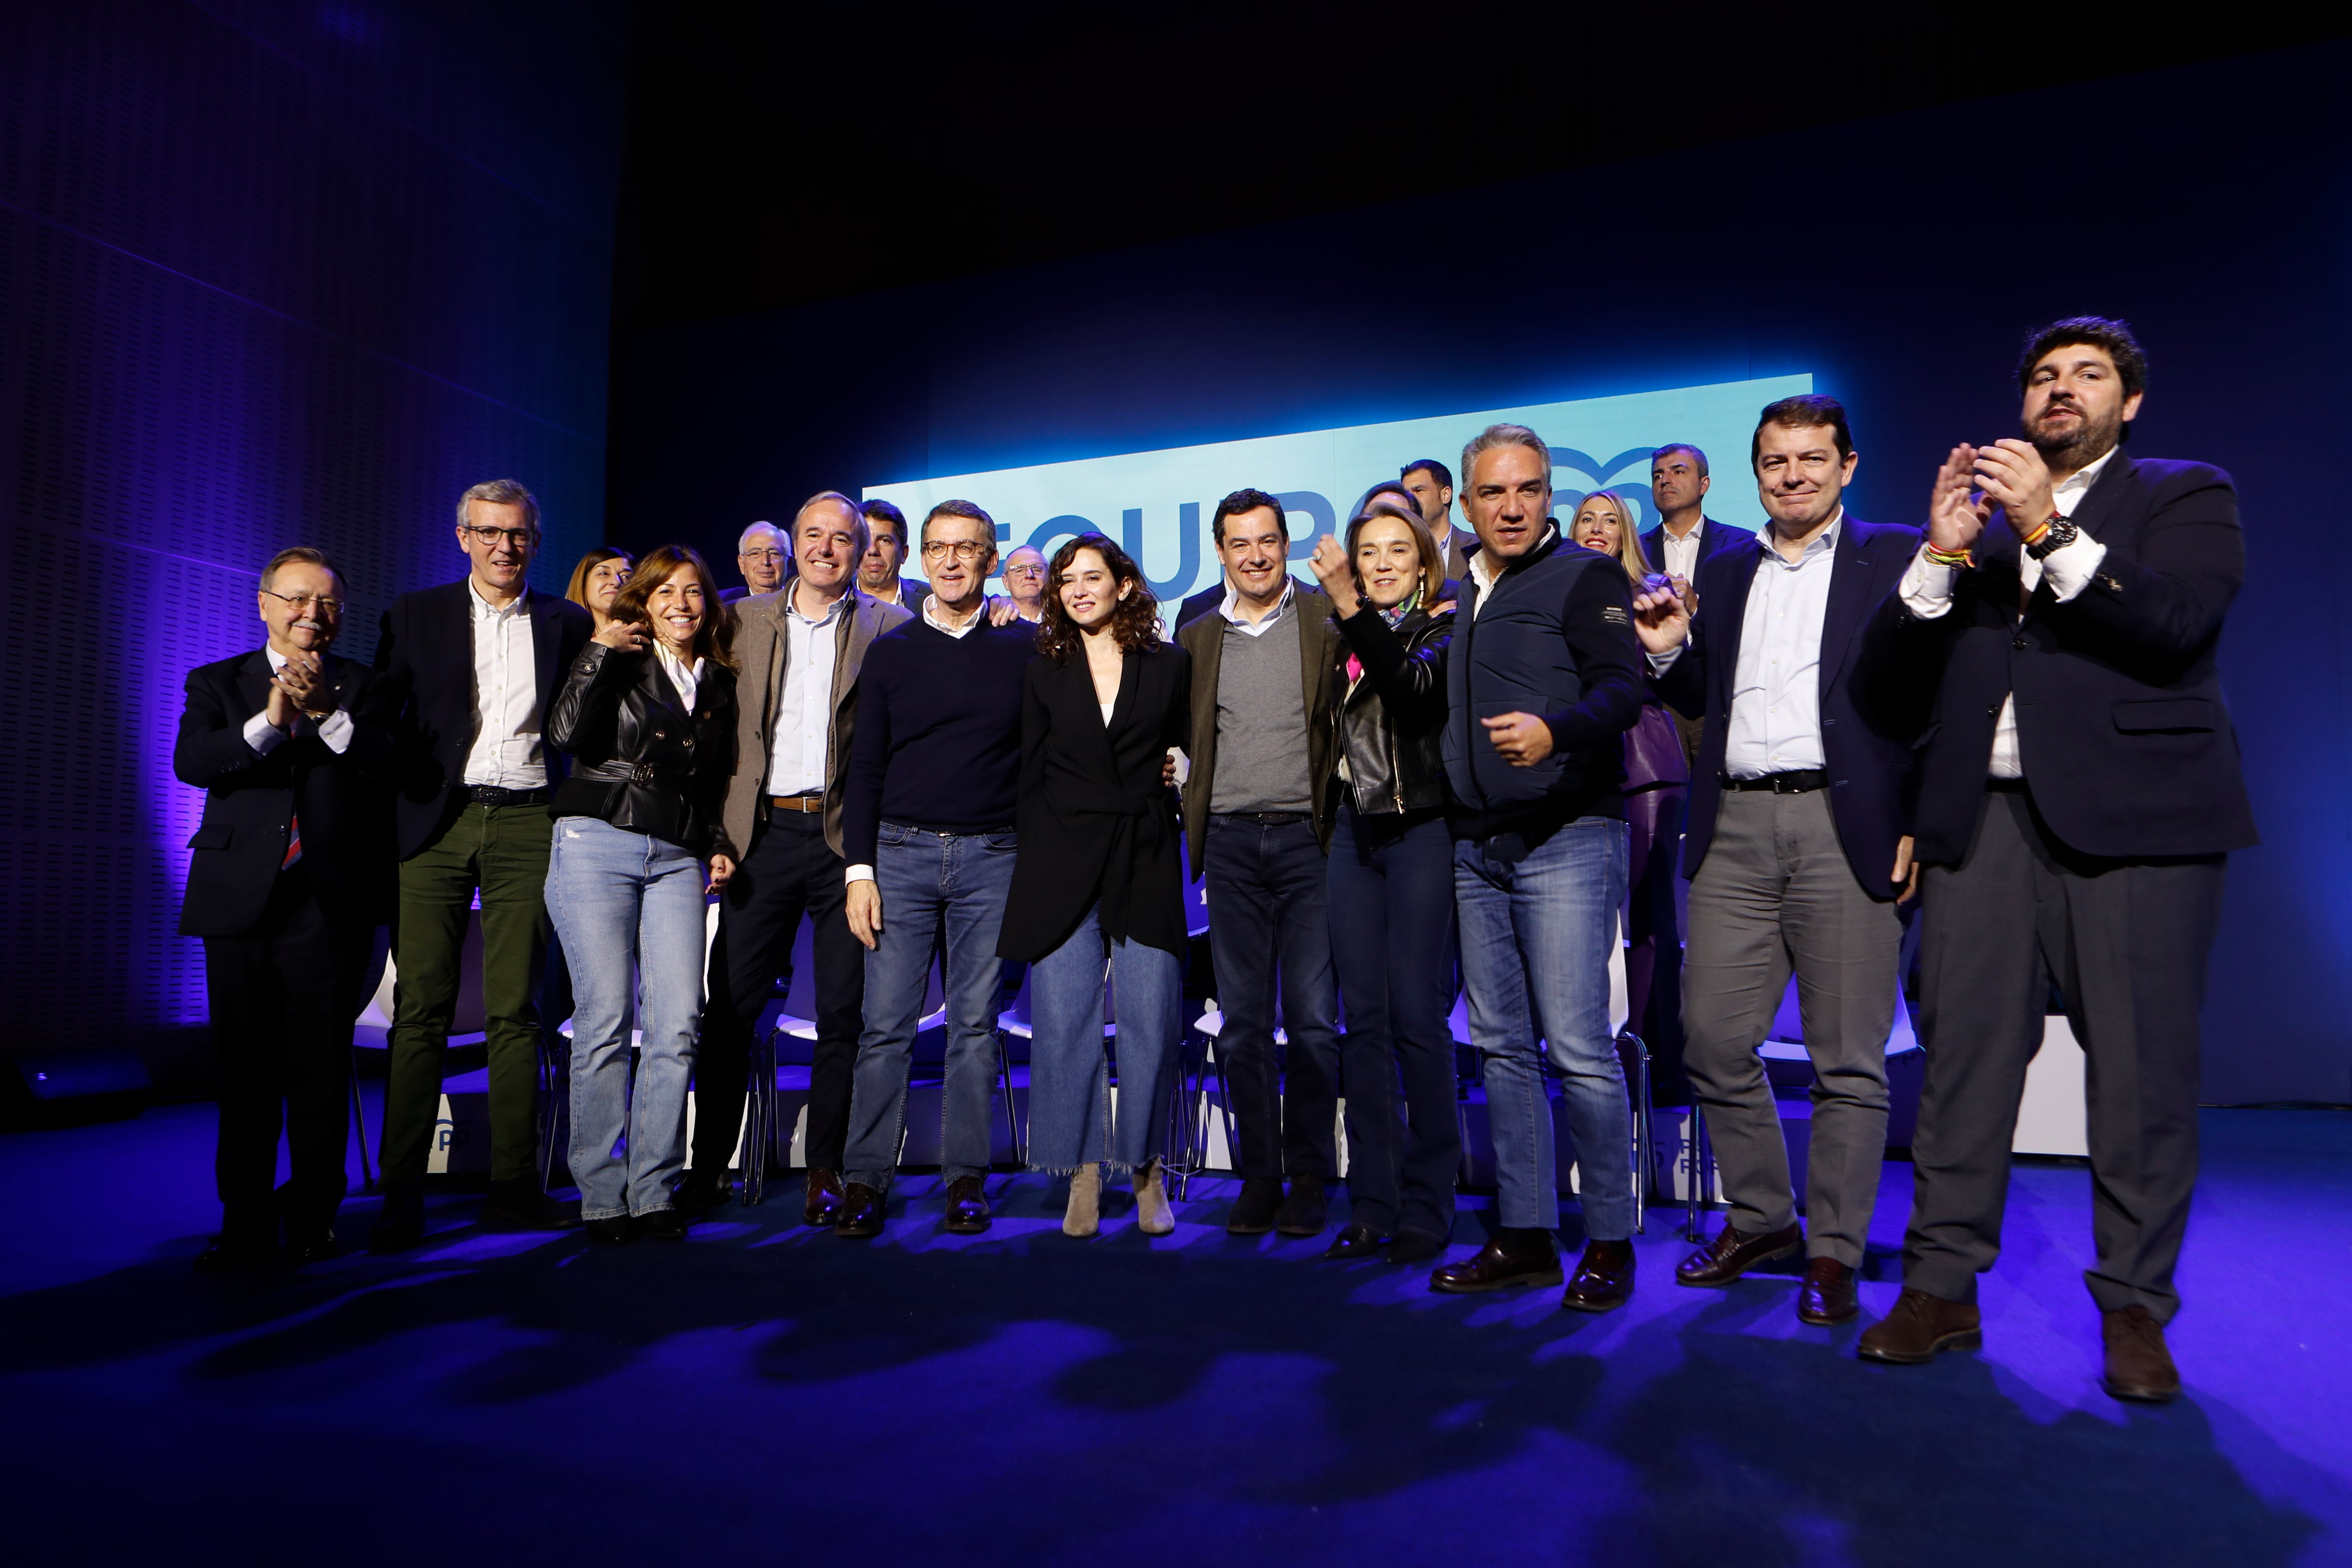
(938, 733)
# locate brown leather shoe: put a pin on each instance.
(1603, 1280)
(1731, 1254)
(861, 1212)
(1529, 1258)
(2139, 1365)
(822, 1206)
(967, 1206)
(1827, 1296)
(1920, 1326)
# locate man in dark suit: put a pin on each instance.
(797, 655)
(289, 876)
(1257, 815)
(879, 574)
(2079, 790)
(466, 671)
(1685, 537)
(1430, 483)
(764, 560)
(1795, 849)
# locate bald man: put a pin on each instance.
(762, 555)
(1025, 579)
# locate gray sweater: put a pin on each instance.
(1261, 721)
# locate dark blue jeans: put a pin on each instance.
(1268, 922)
(1391, 889)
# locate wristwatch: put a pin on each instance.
(2057, 533)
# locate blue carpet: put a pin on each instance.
(1026, 1398)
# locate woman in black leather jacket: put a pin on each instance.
(1391, 885)
(647, 712)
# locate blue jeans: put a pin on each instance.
(1536, 929)
(925, 879)
(1392, 882)
(629, 908)
(1268, 916)
(1070, 1121)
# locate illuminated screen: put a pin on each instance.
(1157, 503)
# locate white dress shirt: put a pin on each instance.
(931, 619)
(1232, 609)
(1680, 556)
(262, 736)
(800, 742)
(1927, 590)
(506, 750)
(680, 676)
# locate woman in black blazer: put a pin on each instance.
(647, 712)
(1097, 886)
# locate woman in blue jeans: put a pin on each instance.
(647, 712)
(1097, 890)
(1391, 886)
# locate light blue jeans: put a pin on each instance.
(925, 879)
(629, 908)
(1070, 1120)
(1536, 929)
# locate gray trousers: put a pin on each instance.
(2126, 942)
(1774, 893)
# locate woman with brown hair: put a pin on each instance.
(1657, 787)
(1097, 890)
(1390, 881)
(596, 582)
(647, 712)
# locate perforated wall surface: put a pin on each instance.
(270, 272)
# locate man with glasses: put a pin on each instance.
(1025, 582)
(289, 876)
(927, 825)
(762, 556)
(466, 671)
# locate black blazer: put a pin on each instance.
(1864, 739)
(1712, 537)
(644, 762)
(2125, 737)
(1095, 822)
(424, 653)
(249, 797)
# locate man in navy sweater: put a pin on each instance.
(927, 828)
(1543, 679)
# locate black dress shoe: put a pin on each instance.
(1306, 1212)
(518, 1205)
(1411, 1246)
(1919, 1329)
(1827, 1296)
(967, 1206)
(1603, 1280)
(400, 1226)
(1731, 1254)
(1356, 1241)
(861, 1212)
(311, 1247)
(2139, 1365)
(1253, 1211)
(701, 1192)
(1509, 1257)
(222, 1255)
(612, 1231)
(664, 1224)
(820, 1206)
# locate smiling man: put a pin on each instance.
(764, 557)
(1543, 679)
(1264, 676)
(2079, 792)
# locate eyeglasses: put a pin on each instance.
(489, 537)
(1025, 570)
(767, 557)
(308, 601)
(964, 549)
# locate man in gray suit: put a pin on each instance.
(798, 652)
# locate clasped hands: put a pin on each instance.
(2010, 474)
(299, 686)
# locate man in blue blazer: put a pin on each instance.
(289, 876)
(1795, 848)
(2079, 791)
(1685, 535)
(465, 671)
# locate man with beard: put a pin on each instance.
(2079, 790)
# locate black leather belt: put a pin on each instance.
(1796, 783)
(1265, 818)
(491, 794)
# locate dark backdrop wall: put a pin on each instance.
(1899, 259)
(271, 271)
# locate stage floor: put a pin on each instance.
(1025, 1398)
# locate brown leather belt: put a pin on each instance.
(813, 803)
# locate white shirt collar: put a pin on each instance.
(933, 621)
(793, 607)
(1483, 570)
(1232, 608)
(1820, 543)
(484, 608)
(2074, 484)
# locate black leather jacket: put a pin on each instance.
(1392, 725)
(640, 760)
